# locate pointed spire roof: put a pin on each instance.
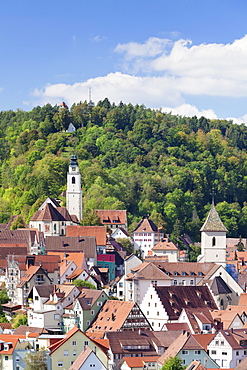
(213, 221)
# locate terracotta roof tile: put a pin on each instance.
(146, 225)
(165, 244)
(99, 232)
(116, 217)
(62, 244)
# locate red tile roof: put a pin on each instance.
(109, 217)
(99, 232)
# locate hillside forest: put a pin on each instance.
(130, 157)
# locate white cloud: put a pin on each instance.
(171, 73)
(151, 91)
(98, 38)
(151, 48)
(190, 111)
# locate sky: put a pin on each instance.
(188, 57)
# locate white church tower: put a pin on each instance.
(213, 239)
(74, 192)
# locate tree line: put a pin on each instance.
(130, 157)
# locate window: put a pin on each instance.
(17, 358)
(88, 322)
(185, 352)
(73, 180)
(213, 352)
(225, 353)
(237, 353)
(36, 298)
(65, 353)
(147, 312)
(222, 343)
(158, 313)
(216, 342)
(175, 282)
(74, 353)
(213, 242)
(74, 343)
(197, 352)
(92, 312)
(60, 364)
(191, 282)
(86, 343)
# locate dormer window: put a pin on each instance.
(184, 273)
(175, 273)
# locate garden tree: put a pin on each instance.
(126, 243)
(83, 284)
(19, 319)
(91, 218)
(194, 252)
(173, 363)
(36, 360)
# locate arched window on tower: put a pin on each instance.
(214, 241)
(73, 180)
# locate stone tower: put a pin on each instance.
(74, 192)
(213, 239)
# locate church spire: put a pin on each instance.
(213, 221)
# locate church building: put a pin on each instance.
(213, 239)
(74, 192)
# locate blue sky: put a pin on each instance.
(184, 56)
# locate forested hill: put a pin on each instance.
(130, 157)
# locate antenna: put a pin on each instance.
(89, 95)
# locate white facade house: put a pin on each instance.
(146, 236)
(140, 278)
(213, 239)
(166, 248)
(228, 348)
(74, 192)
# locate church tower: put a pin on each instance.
(74, 192)
(213, 239)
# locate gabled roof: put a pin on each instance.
(213, 221)
(189, 268)
(99, 232)
(77, 257)
(88, 297)
(139, 361)
(165, 244)
(86, 244)
(219, 286)
(31, 271)
(49, 213)
(226, 317)
(175, 298)
(109, 216)
(12, 339)
(147, 271)
(112, 316)
(23, 329)
(243, 300)
(174, 347)
(83, 356)
(119, 342)
(146, 225)
(55, 346)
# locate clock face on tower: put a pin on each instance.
(73, 168)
